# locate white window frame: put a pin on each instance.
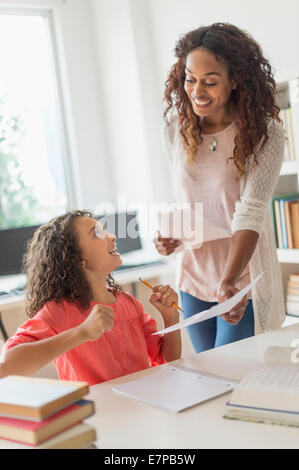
(65, 128)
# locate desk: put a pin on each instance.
(122, 422)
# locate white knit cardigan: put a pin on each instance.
(252, 213)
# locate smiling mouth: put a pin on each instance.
(202, 102)
(113, 252)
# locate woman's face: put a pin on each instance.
(207, 84)
(98, 247)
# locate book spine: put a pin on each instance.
(283, 224)
(288, 224)
(278, 223)
(294, 213)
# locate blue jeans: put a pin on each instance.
(215, 332)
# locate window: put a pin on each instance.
(32, 162)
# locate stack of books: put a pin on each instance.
(269, 393)
(292, 303)
(285, 220)
(286, 117)
(41, 413)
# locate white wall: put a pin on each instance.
(126, 94)
(86, 121)
(273, 23)
(135, 40)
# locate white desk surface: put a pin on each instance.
(125, 423)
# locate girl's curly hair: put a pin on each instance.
(253, 98)
(52, 263)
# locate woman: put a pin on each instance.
(225, 143)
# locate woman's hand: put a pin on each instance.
(163, 298)
(166, 246)
(100, 320)
(225, 292)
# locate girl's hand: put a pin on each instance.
(225, 291)
(166, 246)
(100, 320)
(162, 298)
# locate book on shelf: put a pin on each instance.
(79, 436)
(36, 432)
(294, 214)
(37, 398)
(270, 391)
(292, 297)
(285, 218)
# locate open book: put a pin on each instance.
(270, 392)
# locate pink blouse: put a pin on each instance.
(212, 180)
(128, 348)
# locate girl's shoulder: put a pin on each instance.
(127, 298)
(61, 314)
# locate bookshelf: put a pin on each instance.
(288, 101)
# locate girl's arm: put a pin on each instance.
(171, 346)
(28, 358)
(162, 298)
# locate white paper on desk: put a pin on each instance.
(175, 388)
(190, 227)
(218, 309)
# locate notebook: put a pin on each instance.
(175, 388)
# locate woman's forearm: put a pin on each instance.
(241, 249)
(28, 358)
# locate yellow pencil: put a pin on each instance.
(151, 287)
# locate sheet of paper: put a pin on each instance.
(175, 388)
(190, 227)
(218, 309)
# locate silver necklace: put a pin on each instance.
(213, 145)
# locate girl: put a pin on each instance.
(78, 317)
(225, 143)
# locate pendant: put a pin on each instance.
(213, 145)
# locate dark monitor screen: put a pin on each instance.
(124, 225)
(13, 241)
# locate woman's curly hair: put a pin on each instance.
(52, 263)
(253, 98)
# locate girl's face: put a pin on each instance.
(207, 84)
(98, 247)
